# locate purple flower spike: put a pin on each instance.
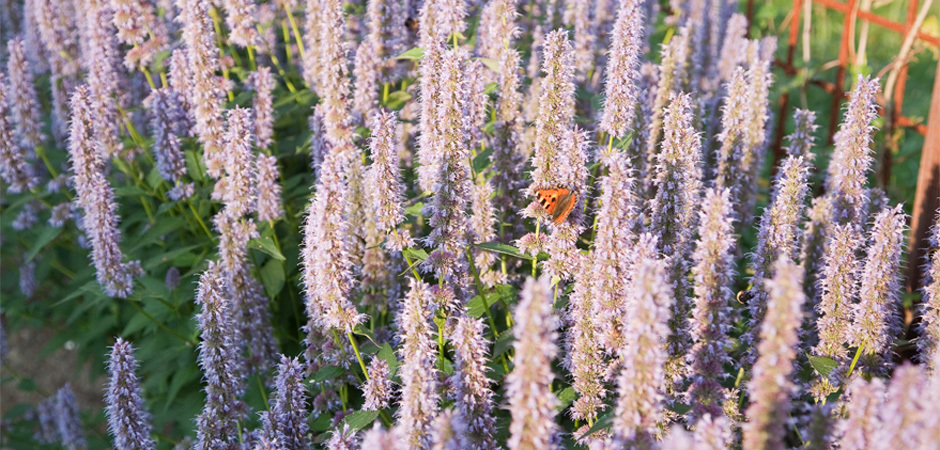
(128, 419)
(419, 393)
(528, 386)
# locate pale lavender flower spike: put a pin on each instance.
(384, 175)
(203, 61)
(67, 419)
(377, 390)
(23, 101)
(96, 199)
(240, 21)
(447, 211)
(642, 379)
(104, 75)
(134, 19)
(852, 157)
(528, 386)
(263, 84)
(15, 170)
(771, 385)
(169, 124)
(711, 314)
(342, 438)
(584, 358)
(839, 289)
(626, 49)
(877, 315)
(128, 419)
(286, 422)
(929, 342)
(234, 189)
(865, 402)
(474, 398)
(800, 142)
(216, 425)
(577, 14)
(268, 189)
(908, 418)
(419, 394)
(674, 217)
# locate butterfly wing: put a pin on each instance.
(557, 202)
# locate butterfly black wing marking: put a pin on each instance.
(547, 200)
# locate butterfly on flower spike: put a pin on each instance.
(558, 202)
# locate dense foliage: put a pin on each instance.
(443, 224)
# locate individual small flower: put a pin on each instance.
(234, 189)
(377, 389)
(711, 314)
(642, 379)
(169, 123)
(128, 419)
(476, 423)
(240, 21)
(626, 49)
(204, 93)
(387, 193)
(263, 84)
(60, 214)
(15, 170)
(23, 101)
(268, 189)
(67, 419)
(678, 184)
(216, 425)
(852, 157)
(342, 439)
(771, 386)
(27, 217)
(528, 386)
(181, 191)
(419, 394)
(866, 400)
(929, 342)
(96, 199)
(877, 316)
(287, 418)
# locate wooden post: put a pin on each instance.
(927, 198)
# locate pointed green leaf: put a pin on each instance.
(266, 245)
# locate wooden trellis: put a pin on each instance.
(927, 197)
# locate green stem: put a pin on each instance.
(293, 25)
(858, 354)
(355, 347)
(535, 260)
(161, 325)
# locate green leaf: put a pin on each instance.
(272, 276)
(129, 191)
(45, 237)
(163, 226)
(414, 54)
(360, 419)
(503, 249)
(193, 168)
(503, 343)
(482, 160)
(566, 397)
(361, 330)
(154, 178)
(477, 309)
(822, 364)
(396, 100)
(679, 408)
(266, 245)
(415, 254)
(491, 63)
(26, 385)
(326, 373)
(388, 355)
(416, 210)
(604, 421)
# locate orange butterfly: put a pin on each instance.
(558, 202)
